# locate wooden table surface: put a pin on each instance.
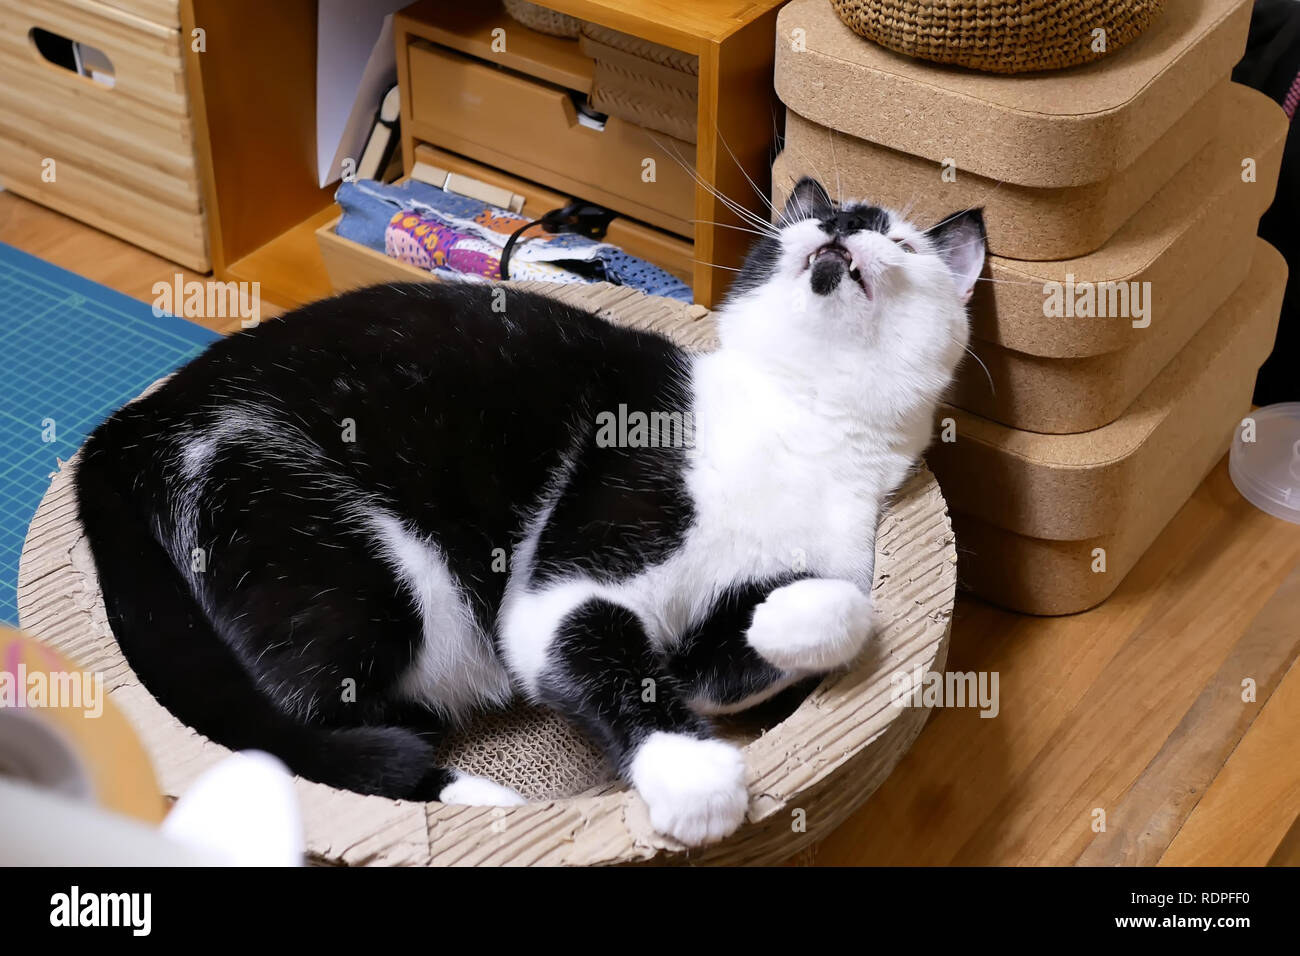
(1131, 716)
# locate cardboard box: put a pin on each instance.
(1032, 511)
(1174, 241)
(1071, 395)
(1048, 130)
(1023, 222)
(1193, 243)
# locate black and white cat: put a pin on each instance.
(302, 537)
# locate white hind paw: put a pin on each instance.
(479, 792)
(812, 625)
(694, 789)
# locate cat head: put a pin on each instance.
(858, 283)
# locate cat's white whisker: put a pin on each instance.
(992, 388)
(835, 167)
(740, 210)
(715, 265)
(758, 192)
(728, 225)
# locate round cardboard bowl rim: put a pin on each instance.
(818, 764)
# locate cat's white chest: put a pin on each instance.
(780, 485)
(793, 494)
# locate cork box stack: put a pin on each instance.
(1130, 303)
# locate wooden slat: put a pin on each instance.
(1246, 813)
(1141, 827)
(69, 146)
(165, 13)
(137, 131)
(108, 205)
(468, 28)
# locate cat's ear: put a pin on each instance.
(808, 200)
(960, 240)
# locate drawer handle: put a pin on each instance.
(81, 59)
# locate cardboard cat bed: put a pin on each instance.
(807, 772)
(1051, 524)
(1192, 243)
(1047, 130)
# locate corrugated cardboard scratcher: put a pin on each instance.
(807, 772)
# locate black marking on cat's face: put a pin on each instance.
(833, 261)
(856, 218)
(961, 241)
(758, 266)
(809, 200)
(829, 264)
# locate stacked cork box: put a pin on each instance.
(1131, 303)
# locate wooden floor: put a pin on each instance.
(1131, 714)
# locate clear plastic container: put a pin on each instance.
(1265, 460)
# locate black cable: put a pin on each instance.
(578, 217)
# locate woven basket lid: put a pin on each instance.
(1001, 36)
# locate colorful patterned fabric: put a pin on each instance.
(455, 236)
(429, 242)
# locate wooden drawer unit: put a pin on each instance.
(351, 265)
(530, 127)
(267, 228)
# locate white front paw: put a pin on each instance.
(477, 791)
(811, 625)
(695, 789)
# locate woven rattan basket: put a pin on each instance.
(807, 770)
(542, 19)
(642, 82)
(1001, 36)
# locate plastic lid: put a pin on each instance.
(1265, 460)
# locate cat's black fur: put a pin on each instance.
(462, 412)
